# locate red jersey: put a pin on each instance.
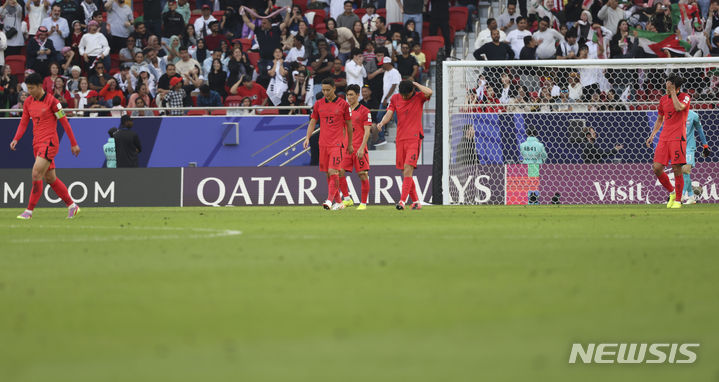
(675, 122)
(361, 117)
(257, 94)
(409, 115)
(45, 114)
(332, 117)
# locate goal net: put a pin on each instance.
(567, 131)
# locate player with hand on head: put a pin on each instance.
(672, 147)
(693, 125)
(45, 111)
(361, 117)
(334, 114)
(408, 104)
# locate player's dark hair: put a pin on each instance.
(116, 100)
(545, 18)
(382, 19)
(331, 35)
(354, 87)
(527, 40)
(328, 81)
(489, 20)
(406, 87)
(520, 18)
(112, 131)
(183, 49)
(33, 79)
(345, 3)
(676, 79)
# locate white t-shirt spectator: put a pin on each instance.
(202, 24)
(117, 16)
(57, 37)
(515, 39)
(355, 74)
(277, 86)
(390, 78)
(94, 44)
(296, 55)
(611, 17)
(504, 19)
(337, 7)
(548, 47)
(35, 16)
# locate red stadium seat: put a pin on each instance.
(194, 100)
(115, 62)
(218, 15)
(219, 112)
(193, 18)
(234, 100)
(425, 28)
(269, 112)
(321, 28)
(197, 112)
(431, 45)
(319, 16)
(382, 12)
(300, 3)
(246, 44)
(360, 12)
(17, 65)
(254, 57)
(458, 17)
(427, 61)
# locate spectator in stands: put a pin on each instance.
(355, 69)
(68, 57)
(208, 97)
(103, 27)
(127, 54)
(591, 154)
(173, 49)
(116, 103)
(183, 8)
(99, 78)
(147, 78)
(8, 88)
(569, 48)
(375, 76)
(572, 12)
(142, 93)
(245, 87)
(396, 47)
(321, 64)
(622, 44)
(127, 144)
(73, 81)
(381, 36)
(152, 16)
(70, 11)
(348, 17)
(303, 86)
(94, 47)
(125, 80)
(11, 15)
(410, 33)
(212, 41)
(74, 41)
(390, 83)
(140, 34)
(529, 52)
(91, 102)
(547, 38)
(207, 62)
(19, 106)
(359, 33)
(163, 84)
(202, 24)
(58, 28)
(494, 50)
(519, 100)
(369, 18)
(173, 24)
(157, 65)
(371, 103)
(345, 40)
(144, 113)
(110, 91)
(40, 52)
(406, 64)
(199, 51)
(338, 75)
(297, 53)
(331, 24)
(412, 10)
(174, 98)
(507, 21)
(516, 37)
(290, 99)
(119, 16)
(89, 7)
(217, 78)
(186, 63)
(238, 66)
(611, 14)
(268, 38)
(440, 20)
(83, 88)
(583, 27)
(36, 12)
(188, 38)
(485, 36)
(278, 78)
(575, 87)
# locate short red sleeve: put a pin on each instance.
(660, 109)
(346, 111)
(315, 112)
(391, 105)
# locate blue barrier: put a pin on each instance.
(170, 141)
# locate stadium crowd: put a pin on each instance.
(598, 30)
(175, 53)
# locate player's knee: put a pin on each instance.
(50, 178)
(363, 175)
(686, 169)
(658, 168)
(37, 175)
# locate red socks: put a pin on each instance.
(407, 185)
(365, 191)
(61, 191)
(333, 184)
(413, 192)
(664, 180)
(35, 194)
(343, 186)
(678, 186)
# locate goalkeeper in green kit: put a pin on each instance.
(533, 154)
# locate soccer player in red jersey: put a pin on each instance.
(408, 105)
(672, 146)
(45, 112)
(334, 114)
(360, 160)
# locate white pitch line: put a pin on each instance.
(203, 233)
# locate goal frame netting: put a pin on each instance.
(449, 103)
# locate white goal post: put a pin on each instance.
(567, 131)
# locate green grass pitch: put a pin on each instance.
(302, 294)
